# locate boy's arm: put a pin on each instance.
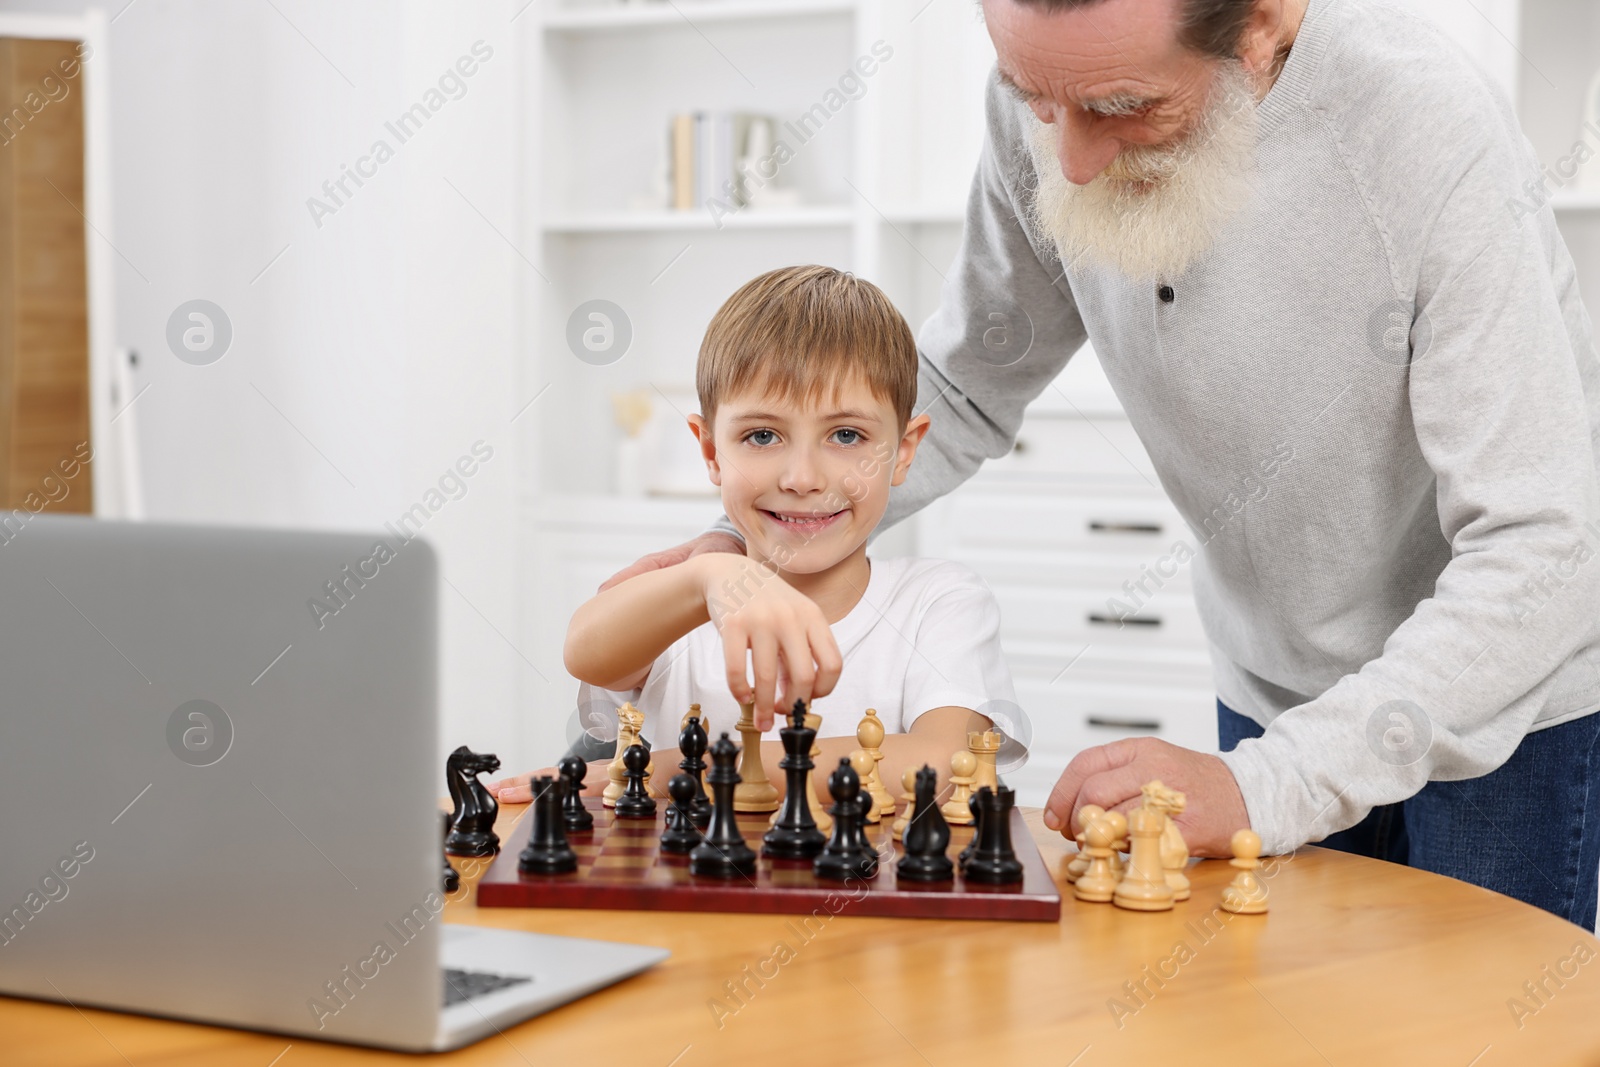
(617, 634)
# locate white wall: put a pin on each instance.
(386, 338)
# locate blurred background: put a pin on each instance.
(301, 264)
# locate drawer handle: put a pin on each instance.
(1097, 526)
(1152, 621)
(1122, 724)
(1019, 445)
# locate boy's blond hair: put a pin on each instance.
(802, 331)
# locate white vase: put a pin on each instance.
(630, 473)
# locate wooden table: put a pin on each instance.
(1358, 962)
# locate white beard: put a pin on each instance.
(1156, 207)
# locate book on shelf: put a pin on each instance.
(709, 154)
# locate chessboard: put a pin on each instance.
(621, 866)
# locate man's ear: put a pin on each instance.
(708, 447)
(916, 430)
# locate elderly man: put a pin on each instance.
(1283, 224)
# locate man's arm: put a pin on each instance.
(1005, 326)
(1497, 397)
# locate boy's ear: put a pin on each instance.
(916, 430)
(708, 446)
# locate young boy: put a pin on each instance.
(807, 377)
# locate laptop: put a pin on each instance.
(220, 764)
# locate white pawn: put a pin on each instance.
(962, 766)
(1080, 863)
(1246, 894)
(908, 783)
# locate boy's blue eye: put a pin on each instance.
(855, 436)
(766, 436)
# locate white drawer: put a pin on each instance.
(1068, 716)
(1142, 526)
(1057, 447)
(1078, 617)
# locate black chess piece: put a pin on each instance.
(848, 852)
(693, 742)
(681, 833)
(795, 835)
(635, 801)
(577, 817)
(927, 836)
(472, 824)
(977, 828)
(548, 851)
(993, 860)
(723, 853)
(452, 879)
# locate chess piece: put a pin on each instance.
(795, 835)
(908, 799)
(1097, 884)
(927, 835)
(681, 834)
(723, 853)
(755, 791)
(1080, 862)
(452, 879)
(692, 742)
(577, 818)
(1174, 849)
(472, 822)
(957, 810)
(848, 852)
(635, 802)
(861, 762)
(548, 851)
(1144, 884)
(819, 797)
(993, 860)
(1247, 893)
(985, 745)
(869, 735)
(630, 720)
(977, 829)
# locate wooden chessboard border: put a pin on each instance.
(665, 884)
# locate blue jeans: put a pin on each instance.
(1529, 829)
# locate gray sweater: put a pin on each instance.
(1375, 401)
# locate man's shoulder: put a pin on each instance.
(1395, 83)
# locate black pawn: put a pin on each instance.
(993, 861)
(681, 834)
(692, 742)
(848, 852)
(576, 817)
(795, 835)
(547, 851)
(635, 801)
(723, 853)
(452, 880)
(927, 836)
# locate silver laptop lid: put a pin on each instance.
(217, 780)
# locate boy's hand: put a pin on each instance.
(668, 557)
(785, 632)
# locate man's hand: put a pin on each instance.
(786, 634)
(667, 557)
(1111, 776)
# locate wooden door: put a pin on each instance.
(44, 314)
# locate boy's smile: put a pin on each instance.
(806, 482)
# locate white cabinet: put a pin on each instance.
(1073, 533)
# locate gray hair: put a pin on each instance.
(1209, 27)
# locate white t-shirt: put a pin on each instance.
(925, 634)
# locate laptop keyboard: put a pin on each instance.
(460, 986)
